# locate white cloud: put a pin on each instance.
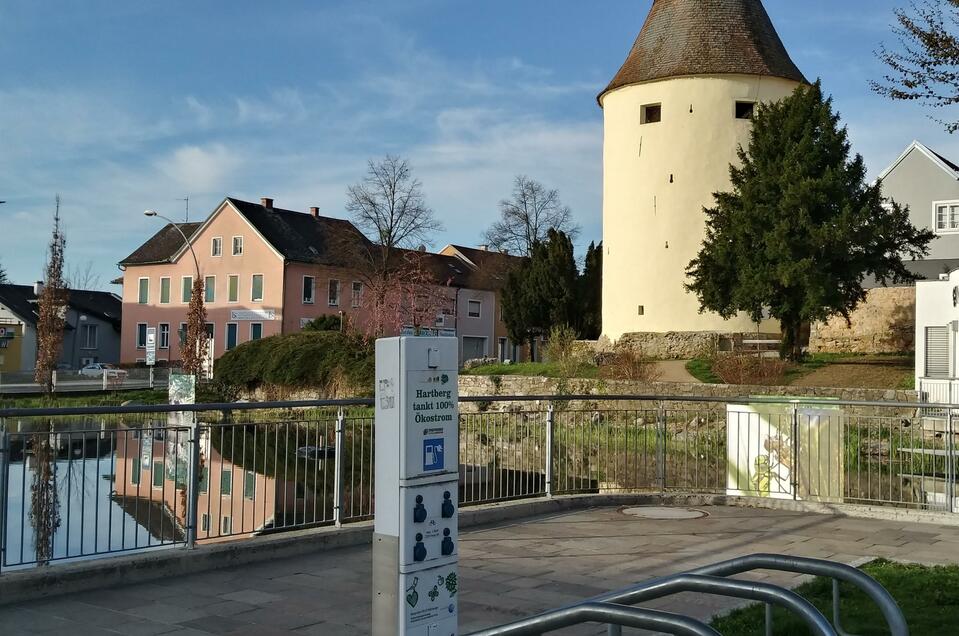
(200, 169)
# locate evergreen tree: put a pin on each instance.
(3, 275)
(591, 294)
(542, 292)
(801, 228)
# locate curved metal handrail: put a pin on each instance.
(607, 613)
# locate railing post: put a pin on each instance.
(193, 484)
(4, 464)
(615, 630)
(339, 452)
(103, 379)
(661, 447)
(794, 471)
(950, 463)
(550, 447)
(53, 380)
(151, 379)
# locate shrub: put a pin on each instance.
(562, 351)
(329, 361)
(745, 368)
(629, 364)
(328, 322)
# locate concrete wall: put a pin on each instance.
(657, 179)
(885, 323)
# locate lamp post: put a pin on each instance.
(196, 262)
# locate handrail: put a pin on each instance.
(291, 404)
(817, 567)
(608, 613)
(677, 583)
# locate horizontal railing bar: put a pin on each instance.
(173, 408)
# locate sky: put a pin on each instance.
(125, 106)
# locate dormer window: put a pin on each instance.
(745, 110)
(651, 114)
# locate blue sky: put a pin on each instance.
(123, 106)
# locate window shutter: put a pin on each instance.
(937, 352)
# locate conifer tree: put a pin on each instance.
(591, 294)
(801, 228)
(3, 275)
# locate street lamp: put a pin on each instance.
(196, 262)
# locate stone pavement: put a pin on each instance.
(506, 572)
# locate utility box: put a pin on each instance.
(415, 540)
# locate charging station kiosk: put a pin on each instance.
(415, 540)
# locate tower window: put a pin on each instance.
(651, 114)
(744, 110)
(642, 310)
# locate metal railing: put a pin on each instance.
(711, 580)
(73, 381)
(88, 482)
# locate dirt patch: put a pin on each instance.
(880, 374)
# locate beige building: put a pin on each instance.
(675, 114)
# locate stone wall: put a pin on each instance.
(675, 345)
(884, 323)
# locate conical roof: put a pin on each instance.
(705, 37)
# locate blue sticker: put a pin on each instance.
(433, 454)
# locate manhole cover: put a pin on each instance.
(662, 512)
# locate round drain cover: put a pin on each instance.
(664, 513)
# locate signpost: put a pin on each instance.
(151, 346)
(415, 541)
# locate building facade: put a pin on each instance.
(674, 116)
(269, 271)
(91, 333)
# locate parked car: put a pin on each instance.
(98, 369)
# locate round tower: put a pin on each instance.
(674, 116)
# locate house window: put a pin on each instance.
(502, 349)
(165, 291)
(187, 289)
(249, 484)
(141, 335)
(143, 296)
(135, 472)
(216, 246)
(88, 337)
(937, 352)
(227, 527)
(309, 285)
(230, 336)
(204, 479)
(158, 474)
(226, 482)
(357, 294)
(256, 289)
(947, 216)
(164, 335)
(334, 293)
(237, 245)
(641, 310)
(473, 308)
(651, 114)
(205, 522)
(209, 289)
(234, 289)
(256, 330)
(745, 110)
(181, 332)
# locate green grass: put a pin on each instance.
(110, 398)
(540, 369)
(928, 596)
(702, 370)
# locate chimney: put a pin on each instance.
(37, 288)
(315, 212)
(484, 248)
(421, 248)
(267, 203)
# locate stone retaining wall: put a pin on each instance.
(884, 323)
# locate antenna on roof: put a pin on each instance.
(187, 200)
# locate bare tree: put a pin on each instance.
(389, 207)
(926, 67)
(528, 216)
(51, 307)
(193, 353)
(413, 296)
(82, 276)
(3, 276)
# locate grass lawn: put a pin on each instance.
(702, 370)
(541, 369)
(928, 596)
(114, 398)
(833, 370)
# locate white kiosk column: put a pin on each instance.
(415, 542)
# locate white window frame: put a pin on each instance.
(233, 246)
(479, 312)
(935, 217)
(137, 336)
(160, 327)
(745, 102)
(260, 324)
(169, 290)
(230, 278)
(356, 296)
(262, 288)
(140, 287)
(312, 298)
(339, 292)
(205, 280)
(190, 295)
(642, 113)
(85, 331)
(226, 336)
(214, 242)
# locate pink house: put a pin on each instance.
(269, 271)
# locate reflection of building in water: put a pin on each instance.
(151, 479)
